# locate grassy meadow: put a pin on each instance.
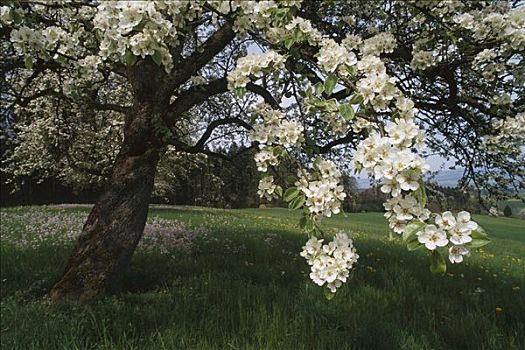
(233, 279)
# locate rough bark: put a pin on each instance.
(116, 222)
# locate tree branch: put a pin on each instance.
(265, 94)
(202, 56)
(214, 125)
(195, 95)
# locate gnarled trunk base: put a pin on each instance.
(112, 231)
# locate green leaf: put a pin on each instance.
(352, 70)
(61, 59)
(413, 244)
(290, 194)
(331, 105)
(17, 18)
(330, 83)
(298, 36)
(358, 167)
(479, 233)
(356, 99)
(306, 223)
(297, 203)
(129, 58)
(319, 103)
(328, 295)
(438, 265)
(303, 221)
(99, 34)
(157, 58)
(288, 42)
(421, 194)
(347, 111)
(240, 91)
(479, 238)
(319, 88)
(279, 191)
(411, 229)
(478, 242)
(279, 151)
(28, 62)
(309, 93)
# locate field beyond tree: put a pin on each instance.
(207, 278)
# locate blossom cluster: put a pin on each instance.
(330, 263)
(298, 29)
(332, 56)
(392, 160)
(253, 14)
(484, 56)
(511, 126)
(311, 34)
(490, 71)
(510, 135)
(254, 65)
(27, 40)
(322, 189)
(378, 44)
(449, 229)
(507, 27)
(360, 124)
(404, 209)
(265, 158)
(5, 15)
(422, 60)
(140, 28)
(377, 88)
(267, 188)
(274, 130)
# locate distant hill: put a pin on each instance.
(449, 178)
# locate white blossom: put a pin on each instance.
(433, 237)
(456, 253)
(254, 65)
(330, 263)
(422, 60)
(332, 55)
(446, 220)
(267, 188)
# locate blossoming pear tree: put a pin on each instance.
(380, 84)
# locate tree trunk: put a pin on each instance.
(116, 222)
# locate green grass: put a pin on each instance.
(244, 286)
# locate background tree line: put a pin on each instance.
(215, 182)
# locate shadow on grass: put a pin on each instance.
(259, 296)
